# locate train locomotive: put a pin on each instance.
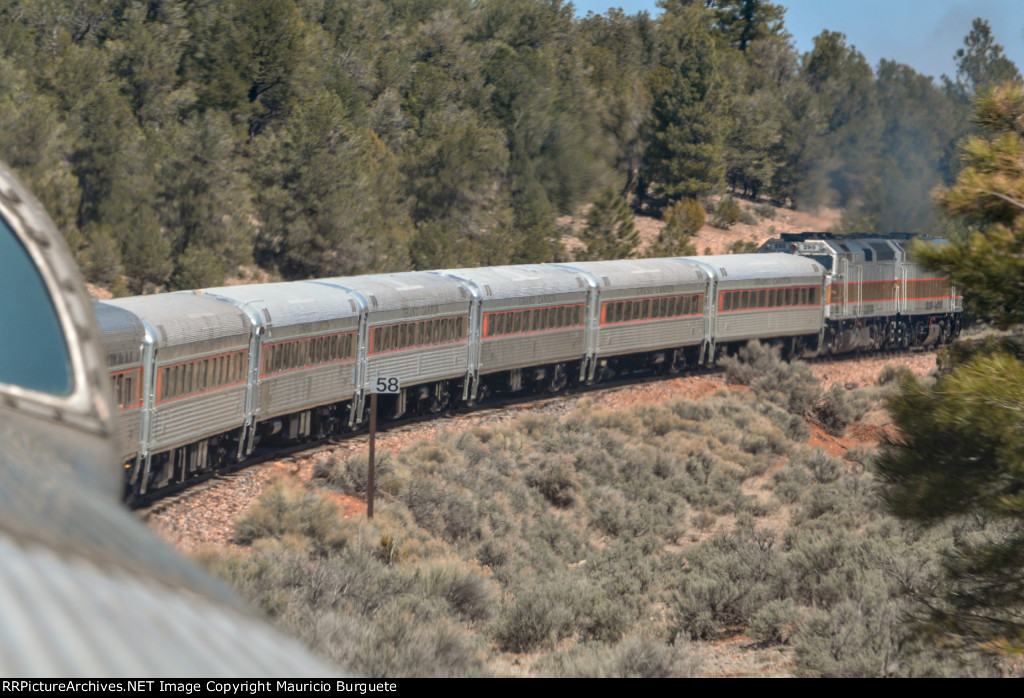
(201, 378)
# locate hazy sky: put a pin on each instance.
(924, 34)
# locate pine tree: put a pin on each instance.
(981, 64)
(960, 446)
(683, 220)
(610, 232)
(686, 153)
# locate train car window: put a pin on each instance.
(36, 356)
(815, 298)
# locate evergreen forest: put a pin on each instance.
(177, 141)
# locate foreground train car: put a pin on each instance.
(87, 589)
(220, 371)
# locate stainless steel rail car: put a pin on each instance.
(528, 326)
(196, 364)
(763, 296)
(417, 330)
(123, 336)
(643, 313)
(305, 374)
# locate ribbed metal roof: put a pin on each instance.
(185, 317)
(519, 281)
(734, 267)
(88, 591)
(629, 273)
(121, 333)
(294, 303)
(407, 290)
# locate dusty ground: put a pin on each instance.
(712, 240)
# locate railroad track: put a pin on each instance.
(506, 405)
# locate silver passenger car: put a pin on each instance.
(756, 296)
(122, 336)
(196, 357)
(527, 316)
(303, 355)
(417, 329)
(642, 306)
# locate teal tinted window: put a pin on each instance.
(33, 352)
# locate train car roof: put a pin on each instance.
(520, 281)
(413, 289)
(296, 303)
(186, 318)
(121, 334)
(733, 267)
(630, 273)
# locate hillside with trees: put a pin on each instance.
(175, 141)
(975, 480)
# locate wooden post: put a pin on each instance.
(373, 440)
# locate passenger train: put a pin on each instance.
(202, 377)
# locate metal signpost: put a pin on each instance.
(388, 386)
